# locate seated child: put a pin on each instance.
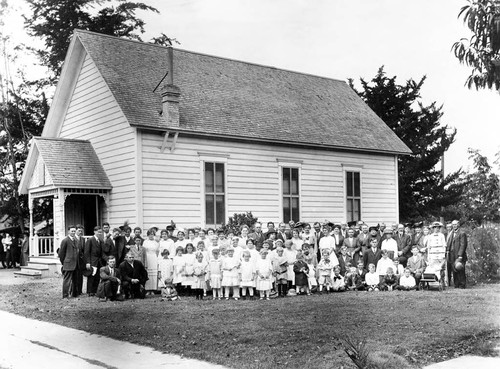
(407, 282)
(416, 264)
(389, 281)
(247, 275)
(325, 267)
(353, 281)
(399, 269)
(384, 263)
(280, 271)
(338, 281)
(311, 277)
(372, 279)
(301, 270)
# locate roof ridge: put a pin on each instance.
(212, 56)
(59, 139)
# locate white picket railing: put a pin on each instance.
(46, 245)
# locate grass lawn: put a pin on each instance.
(294, 332)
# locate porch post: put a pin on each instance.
(31, 243)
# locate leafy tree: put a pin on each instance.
(54, 21)
(237, 220)
(480, 200)
(422, 191)
(481, 51)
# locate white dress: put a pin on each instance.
(247, 270)
(165, 267)
(264, 270)
(178, 263)
(188, 275)
(151, 248)
(230, 266)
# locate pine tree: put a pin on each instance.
(422, 191)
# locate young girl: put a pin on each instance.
(199, 270)
(290, 256)
(247, 275)
(280, 268)
(165, 269)
(181, 240)
(264, 271)
(188, 275)
(230, 280)
(296, 240)
(178, 266)
(165, 277)
(215, 274)
(254, 254)
(372, 279)
(301, 270)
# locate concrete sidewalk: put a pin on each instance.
(27, 343)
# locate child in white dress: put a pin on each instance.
(188, 275)
(264, 270)
(200, 268)
(230, 272)
(247, 275)
(215, 274)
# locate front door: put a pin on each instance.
(82, 209)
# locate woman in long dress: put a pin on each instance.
(151, 248)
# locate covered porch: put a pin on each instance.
(69, 174)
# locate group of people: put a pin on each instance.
(293, 259)
(14, 250)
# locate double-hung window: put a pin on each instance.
(353, 195)
(215, 193)
(290, 194)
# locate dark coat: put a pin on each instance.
(110, 248)
(457, 246)
(137, 271)
(69, 254)
(370, 257)
(404, 244)
(300, 277)
(343, 263)
(93, 252)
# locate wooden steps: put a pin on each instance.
(29, 273)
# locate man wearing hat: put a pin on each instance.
(457, 255)
(373, 233)
(363, 239)
(417, 234)
(389, 244)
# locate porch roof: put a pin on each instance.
(70, 164)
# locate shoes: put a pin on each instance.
(227, 298)
(103, 299)
(267, 298)
(236, 299)
(262, 298)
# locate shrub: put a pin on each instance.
(237, 220)
(483, 252)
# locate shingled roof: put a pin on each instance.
(72, 163)
(235, 99)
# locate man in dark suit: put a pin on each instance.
(124, 243)
(134, 277)
(110, 246)
(404, 245)
(92, 256)
(80, 242)
(456, 247)
(417, 234)
(110, 281)
(372, 255)
(339, 239)
(257, 236)
(69, 255)
(283, 234)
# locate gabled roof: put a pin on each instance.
(70, 164)
(235, 99)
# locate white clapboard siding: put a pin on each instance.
(172, 181)
(40, 175)
(94, 115)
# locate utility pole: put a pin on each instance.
(441, 218)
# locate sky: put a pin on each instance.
(339, 39)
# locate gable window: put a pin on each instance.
(353, 192)
(215, 194)
(291, 197)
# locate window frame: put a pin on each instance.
(295, 164)
(352, 169)
(212, 158)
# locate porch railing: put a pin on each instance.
(46, 245)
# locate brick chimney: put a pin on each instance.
(170, 93)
